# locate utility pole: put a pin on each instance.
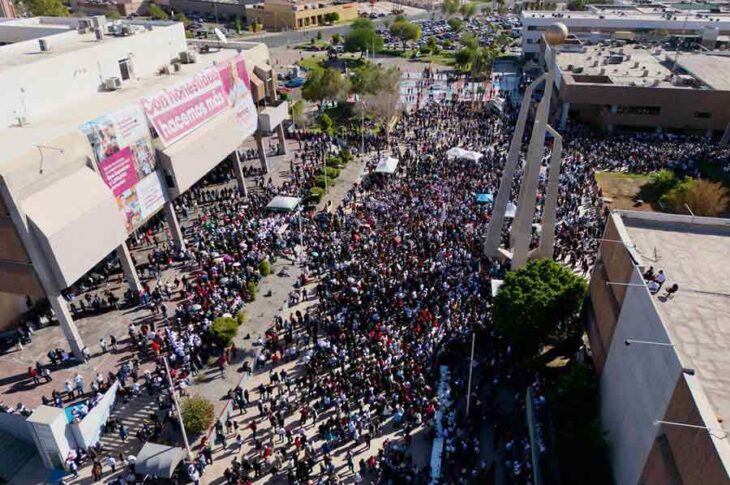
(173, 393)
(471, 370)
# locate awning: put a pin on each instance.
(283, 203)
(484, 198)
(158, 460)
(387, 165)
(76, 222)
(456, 152)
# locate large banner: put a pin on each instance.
(176, 112)
(237, 86)
(122, 144)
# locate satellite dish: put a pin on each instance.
(220, 35)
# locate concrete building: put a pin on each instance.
(102, 7)
(639, 23)
(7, 10)
(663, 362)
(642, 88)
(295, 15)
(102, 127)
(222, 10)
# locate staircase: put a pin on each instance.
(14, 453)
(133, 415)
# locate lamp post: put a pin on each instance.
(658, 422)
(173, 393)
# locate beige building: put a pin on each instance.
(663, 362)
(293, 15)
(136, 127)
(639, 87)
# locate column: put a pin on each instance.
(564, 116)
(262, 151)
(130, 272)
(725, 136)
(547, 237)
(282, 139)
(238, 170)
(58, 303)
(496, 223)
(174, 224)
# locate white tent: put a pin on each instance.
(283, 203)
(457, 152)
(511, 210)
(387, 165)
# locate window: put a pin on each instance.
(703, 114)
(639, 110)
(125, 68)
(532, 27)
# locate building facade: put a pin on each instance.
(287, 15)
(7, 10)
(135, 128)
(663, 391)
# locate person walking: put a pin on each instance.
(123, 433)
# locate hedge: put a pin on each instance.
(252, 289)
(316, 193)
(224, 330)
(265, 268)
(197, 413)
(319, 181)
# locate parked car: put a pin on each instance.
(297, 82)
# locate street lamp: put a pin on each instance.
(685, 370)
(177, 409)
(658, 422)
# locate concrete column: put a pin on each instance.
(262, 152)
(547, 237)
(521, 234)
(58, 304)
(725, 136)
(130, 272)
(496, 223)
(238, 170)
(282, 139)
(564, 116)
(174, 224)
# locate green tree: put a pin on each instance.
(113, 14)
(238, 25)
(47, 8)
(469, 41)
(319, 35)
(405, 31)
(467, 10)
(223, 331)
(197, 414)
(325, 85)
(382, 100)
(463, 57)
(336, 38)
(450, 7)
(180, 17)
(154, 11)
(297, 113)
(482, 62)
(265, 268)
(331, 17)
(456, 24)
(432, 45)
(363, 37)
(539, 305)
(576, 5)
(326, 123)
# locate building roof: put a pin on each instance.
(713, 70)
(695, 254)
(638, 14)
(638, 65)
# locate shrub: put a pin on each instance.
(252, 289)
(320, 181)
(662, 182)
(333, 162)
(345, 155)
(704, 198)
(224, 330)
(332, 173)
(425, 50)
(284, 96)
(265, 268)
(316, 194)
(241, 317)
(197, 413)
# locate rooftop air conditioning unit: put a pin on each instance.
(176, 66)
(645, 74)
(165, 70)
(188, 57)
(43, 44)
(112, 83)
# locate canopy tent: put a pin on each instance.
(284, 203)
(511, 210)
(496, 284)
(456, 152)
(158, 460)
(484, 198)
(387, 165)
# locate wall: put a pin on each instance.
(81, 70)
(637, 383)
(14, 424)
(86, 433)
(12, 306)
(223, 10)
(12, 33)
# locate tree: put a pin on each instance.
(180, 17)
(156, 12)
(238, 25)
(197, 414)
(576, 5)
(469, 41)
(467, 10)
(482, 62)
(432, 45)
(539, 305)
(486, 10)
(326, 124)
(363, 37)
(47, 8)
(336, 38)
(383, 101)
(704, 198)
(223, 331)
(405, 31)
(113, 14)
(456, 24)
(331, 17)
(450, 7)
(297, 113)
(325, 85)
(463, 58)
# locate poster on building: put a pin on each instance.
(128, 203)
(178, 111)
(237, 86)
(118, 171)
(151, 195)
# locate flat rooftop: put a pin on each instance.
(645, 67)
(640, 13)
(696, 256)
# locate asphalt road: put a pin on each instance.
(294, 37)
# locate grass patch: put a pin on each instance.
(310, 63)
(624, 189)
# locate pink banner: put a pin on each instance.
(176, 112)
(237, 86)
(118, 171)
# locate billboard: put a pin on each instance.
(237, 87)
(124, 154)
(178, 111)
